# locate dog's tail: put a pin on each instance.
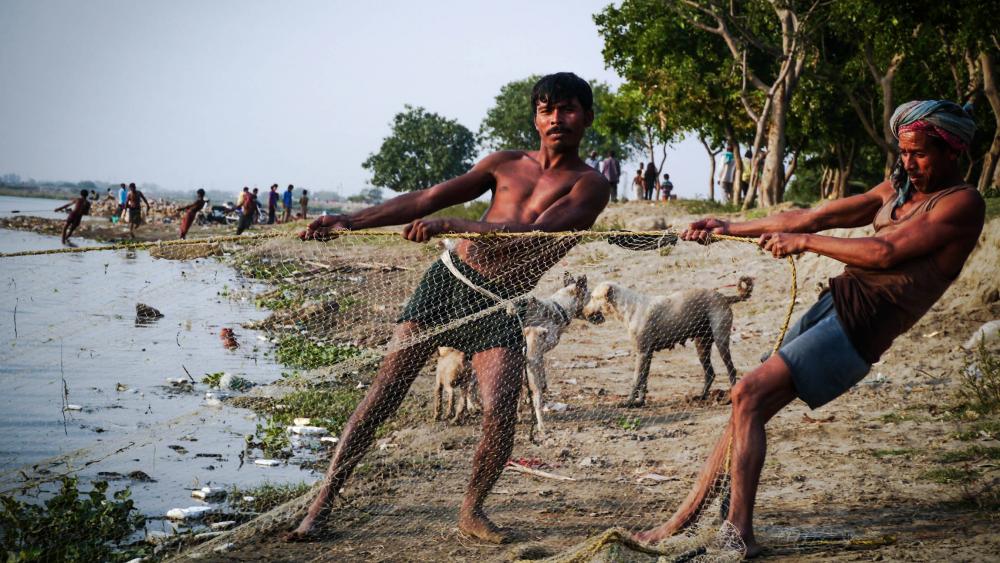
(743, 290)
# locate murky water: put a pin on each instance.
(69, 335)
(12, 206)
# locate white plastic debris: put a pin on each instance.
(329, 439)
(207, 535)
(555, 407)
(262, 338)
(224, 525)
(570, 381)
(267, 462)
(72, 407)
(307, 430)
(301, 421)
(208, 493)
(989, 332)
(249, 498)
(189, 513)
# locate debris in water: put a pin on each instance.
(72, 407)
(145, 314)
(189, 513)
(307, 430)
(228, 339)
(208, 493)
(267, 462)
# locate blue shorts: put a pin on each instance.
(823, 362)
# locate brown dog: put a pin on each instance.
(660, 322)
(454, 375)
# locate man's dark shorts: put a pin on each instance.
(818, 352)
(441, 298)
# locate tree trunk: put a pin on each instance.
(738, 180)
(988, 174)
(771, 184)
(711, 160)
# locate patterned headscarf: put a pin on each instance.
(945, 120)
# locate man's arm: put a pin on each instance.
(414, 205)
(956, 218)
(64, 207)
(142, 196)
(854, 211)
(574, 211)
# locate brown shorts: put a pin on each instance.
(135, 216)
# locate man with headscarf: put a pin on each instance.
(927, 222)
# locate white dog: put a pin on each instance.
(659, 322)
(454, 375)
(544, 322)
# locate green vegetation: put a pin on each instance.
(630, 423)
(265, 496)
(979, 429)
(972, 453)
(905, 452)
(271, 439)
(261, 269)
(300, 352)
(286, 296)
(471, 211)
(237, 383)
(945, 475)
(980, 382)
(422, 150)
(604, 225)
(212, 379)
(71, 526)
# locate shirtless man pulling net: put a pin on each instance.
(927, 221)
(551, 189)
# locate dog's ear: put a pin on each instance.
(609, 295)
(567, 279)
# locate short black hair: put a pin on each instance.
(200, 192)
(562, 86)
(84, 193)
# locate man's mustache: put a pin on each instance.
(558, 129)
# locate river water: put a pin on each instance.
(69, 336)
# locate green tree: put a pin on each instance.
(509, 124)
(423, 149)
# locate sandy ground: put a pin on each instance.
(858, 472)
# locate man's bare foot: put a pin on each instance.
(302, 533)
(753, 549)
(477, 525)
(654, 535)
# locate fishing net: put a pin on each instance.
(581, 379)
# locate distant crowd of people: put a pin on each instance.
(250, 209)
(647, 183)
(129, 202)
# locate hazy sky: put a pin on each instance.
(221, 94)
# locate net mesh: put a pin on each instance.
(563, 384)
